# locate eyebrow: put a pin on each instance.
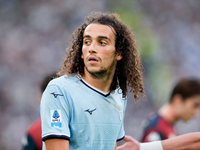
(99, 37)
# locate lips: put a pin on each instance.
(92, 58)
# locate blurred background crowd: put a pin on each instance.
(34, 35)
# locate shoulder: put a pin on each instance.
(64, 80)
(118, 98)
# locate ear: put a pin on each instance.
(118, 57)
(82, 56)
(177, 99)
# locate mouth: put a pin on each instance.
(92, 59)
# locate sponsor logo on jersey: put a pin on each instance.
(56, 118)
(90, 111)
(56, 95)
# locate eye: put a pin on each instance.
(196, 105)
(102, 42)
(87, 42)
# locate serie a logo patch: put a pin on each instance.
(56, 118)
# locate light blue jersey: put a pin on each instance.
(89, 118)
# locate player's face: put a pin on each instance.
(98, 51)
(190, 108)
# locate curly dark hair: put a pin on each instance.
(129, 69)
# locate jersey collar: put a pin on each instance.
(105, 94)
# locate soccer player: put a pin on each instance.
(83, 109)
(184, 103)
(33, 137)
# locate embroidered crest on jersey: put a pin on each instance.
(120, 111)
(118, 107)
(56, 120)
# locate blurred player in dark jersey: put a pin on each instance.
(184, 103)
(33, 138)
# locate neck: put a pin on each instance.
(102, 83)
(168, 113)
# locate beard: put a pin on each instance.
(103, 71)
(97, 74)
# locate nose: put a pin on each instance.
(93, 48)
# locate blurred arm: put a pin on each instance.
(187, 141)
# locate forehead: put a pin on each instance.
(95, 30)
(193, 99)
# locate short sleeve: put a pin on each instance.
(54, 111)
(122, 132)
